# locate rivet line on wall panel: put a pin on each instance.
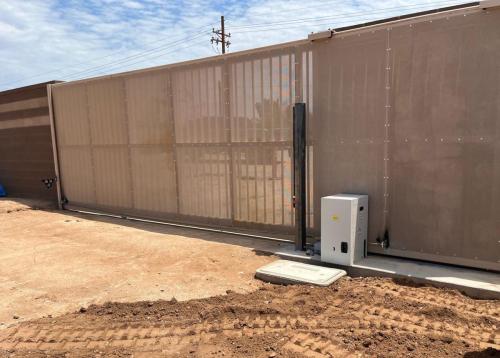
(387, 126)
(129, 150)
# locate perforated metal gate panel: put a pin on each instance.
(207, 142)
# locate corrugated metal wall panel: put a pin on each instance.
(70, 103)
(112, 176)
(148, 109)
(446, 120)
(199, 109)
(204, 181)
(350, 109)
(107, 112)
(76, 164)
(26, 156)
(201, 142)
(263, 184)
(153, 175)
(151, 142)
(261, 95)
(25, 160)
(26, 104)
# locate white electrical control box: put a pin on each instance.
(344, 228)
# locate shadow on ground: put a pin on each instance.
(261, 247)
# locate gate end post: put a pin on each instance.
(54, 146)
(299, 174)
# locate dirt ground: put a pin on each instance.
(219, 309)
(354, 317)
(55, 262)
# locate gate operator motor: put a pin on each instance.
(344, 228)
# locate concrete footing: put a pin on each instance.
(474, 283)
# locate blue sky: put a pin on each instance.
(41, 40)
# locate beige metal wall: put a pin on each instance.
(407, 112)
(445, 149)
(26, 157)
(349, 131)
(410, 114)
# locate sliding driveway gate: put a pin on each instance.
(407, 112)
(207, 142)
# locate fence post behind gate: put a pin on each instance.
(299, 174)
(55, 149)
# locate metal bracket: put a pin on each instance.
(382, 242)
(323, 35)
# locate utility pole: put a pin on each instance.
(220, 36)
(223, 34)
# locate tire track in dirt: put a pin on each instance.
(310, 322)
(40, 336)
(317, 346)
(377, 316)
(144, 333)
(383, 318)
(456, 302)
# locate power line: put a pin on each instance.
(345, 21)
(133, 57)
(163, 54)
(216, 49)
(270, 26)
(98, 58)
(323, 4)
(339, 15)
(281, 11)
(266, 12)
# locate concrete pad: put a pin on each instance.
(482, 284)
(286, 272)
(473, 282)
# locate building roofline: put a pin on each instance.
(29, 87)
(407, 16)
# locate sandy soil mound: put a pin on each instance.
(353, 317)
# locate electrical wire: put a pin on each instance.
(321, 23)
(131, 58)
(216, 49)
(269, 28)
(128, 65)
(247, 28)
(341, 15)
(61, 70)
(266, 12)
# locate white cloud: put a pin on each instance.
(42, 40)
(132, 5)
